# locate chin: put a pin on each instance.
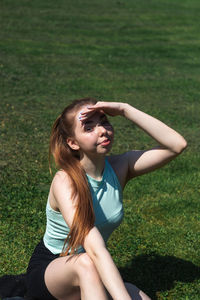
(105, 150)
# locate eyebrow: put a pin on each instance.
(86, 122)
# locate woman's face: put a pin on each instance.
(92, 135)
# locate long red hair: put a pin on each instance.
(68, 160)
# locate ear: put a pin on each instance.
(72, 143)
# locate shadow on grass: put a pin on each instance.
(154, 273)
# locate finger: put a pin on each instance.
(91, 110)
(98, 105)
(85, 115)
(88, 109)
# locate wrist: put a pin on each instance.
(124, 107)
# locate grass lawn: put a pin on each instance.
(144, 52)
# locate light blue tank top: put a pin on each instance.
(108, 209)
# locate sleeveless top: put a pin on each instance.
(108, 209)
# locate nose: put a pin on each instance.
(102, 130)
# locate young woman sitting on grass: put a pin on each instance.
(85, 201)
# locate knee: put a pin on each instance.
(86, 268)
(85, 262)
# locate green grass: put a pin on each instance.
(143, 52)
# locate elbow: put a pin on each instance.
(181, 146)
(184, 144)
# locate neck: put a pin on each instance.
(93, 166)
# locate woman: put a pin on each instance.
(85, 201)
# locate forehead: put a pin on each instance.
(95, 117)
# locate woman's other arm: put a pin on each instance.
(93, 244)
(110, 275)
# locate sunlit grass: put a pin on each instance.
(143, 52)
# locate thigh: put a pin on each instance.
(61, 277)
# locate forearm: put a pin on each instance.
(110, 275)
(159, 131)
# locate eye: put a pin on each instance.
(88, 128)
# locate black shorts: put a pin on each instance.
(36, 287)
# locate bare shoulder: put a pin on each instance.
(61, 178)
(61, 196)
(60, 187)
(119, 164)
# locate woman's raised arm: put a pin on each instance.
(163, 134)
(139, 162)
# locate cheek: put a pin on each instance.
(89, 138)
(92, 137)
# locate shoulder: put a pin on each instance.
(62, 197)
(119, 163)
(60, 187)
(60, 178)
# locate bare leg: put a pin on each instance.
(90, 281)
(74, 278)
(134, 292)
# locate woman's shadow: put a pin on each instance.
(154, 273)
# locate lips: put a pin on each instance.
(105, 142)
